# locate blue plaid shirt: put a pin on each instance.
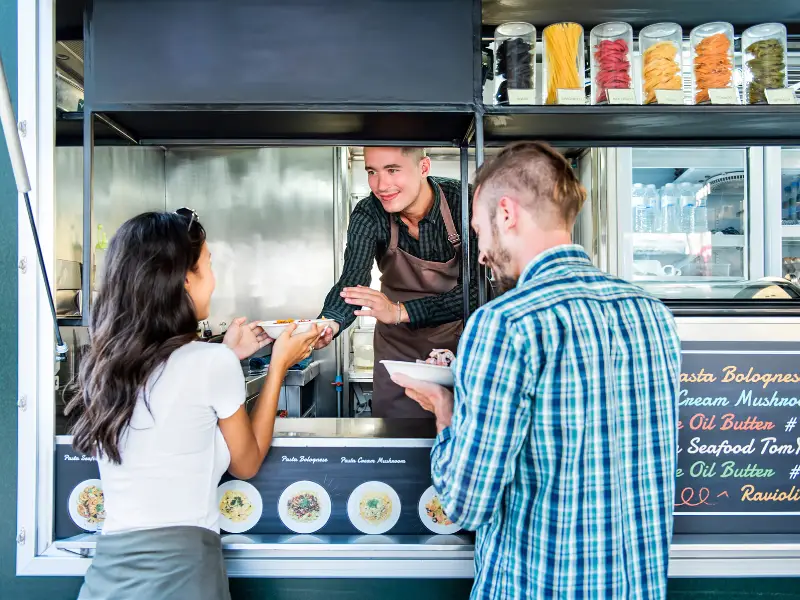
(563, 446)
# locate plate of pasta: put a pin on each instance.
(240, 506)
(304, 507)
(432, 514)
(87, 507)
(373, 507)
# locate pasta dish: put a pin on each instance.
(436, 512)
(91, 505)
(304, 507)
(375, 507)
(236, 506)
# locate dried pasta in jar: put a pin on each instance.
(712, 59)
(563, 59)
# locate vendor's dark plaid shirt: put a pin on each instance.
(368, 239)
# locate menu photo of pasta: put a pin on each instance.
(304, 507)
(87, 505)
(373, 507)
(432, 514)
(240, 506)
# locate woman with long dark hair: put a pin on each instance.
(164, 413)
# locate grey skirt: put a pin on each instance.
(170, 563)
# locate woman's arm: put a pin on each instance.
(249, 437)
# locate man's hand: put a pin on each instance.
(376, 303)
(245, 339)
(433, 398)
(331, 329)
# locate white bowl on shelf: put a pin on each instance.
(422, 371)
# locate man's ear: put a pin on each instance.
(425, 166)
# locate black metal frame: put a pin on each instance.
(766, 125)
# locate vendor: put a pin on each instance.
(411, 225)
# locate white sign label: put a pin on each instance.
(780, 96)
(571, 96)
(669, 96)
(723, 96)
(522, 96)
(621, 96)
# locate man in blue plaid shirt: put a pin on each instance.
(559, 443)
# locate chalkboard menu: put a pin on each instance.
(739, 439)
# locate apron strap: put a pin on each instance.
(444, 210)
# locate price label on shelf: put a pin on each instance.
(571, 97)
(669, 96)
(723, 96)
(780, 96)
(621, 96)
(525, 97)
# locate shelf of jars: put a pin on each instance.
(613, 86)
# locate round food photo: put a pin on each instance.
(87, 506)
(240, 506)
(373, 507)
(432, 515)
(304, 507)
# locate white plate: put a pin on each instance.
(422, 371)
(426, 497)
(274, 329)
(324, 506)
(354, 513)
(252, 495)
(80, 521)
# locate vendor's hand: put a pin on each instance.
(330, 329)
(433, 398)
(375, 305)
(245, 339)
(291, 349)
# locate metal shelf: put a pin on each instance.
(302, 124)
(644, 125)
(689, 13)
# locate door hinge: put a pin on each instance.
(22, 403)
(23, 265)
(23, 128)
(21, 536)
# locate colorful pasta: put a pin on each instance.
(713, 68)
(613, 68)
(660, 69)
(562, 43)
(767, 67)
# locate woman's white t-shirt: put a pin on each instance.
(174, 454)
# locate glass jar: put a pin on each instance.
(563, 62)
(611, 46)
(764, 61)
(712, 60)
(661, 46)
(515, 64)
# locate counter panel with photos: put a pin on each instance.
(738, 465)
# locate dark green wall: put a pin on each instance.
(49, 588)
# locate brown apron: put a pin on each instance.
(403, 278)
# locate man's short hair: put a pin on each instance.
(416, 154)
(538, 177)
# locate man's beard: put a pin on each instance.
(498, 259)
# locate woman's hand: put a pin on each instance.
(291, 349)
(245, 339)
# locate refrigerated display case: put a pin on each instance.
(689, 220)
(789, 195)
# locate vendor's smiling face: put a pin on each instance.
(395, 176)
